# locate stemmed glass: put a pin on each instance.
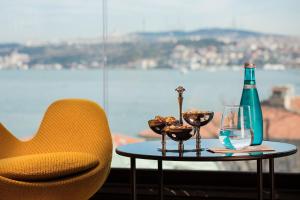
(236, 130)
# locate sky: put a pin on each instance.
(24, 20)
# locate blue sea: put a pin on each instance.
(134, 96)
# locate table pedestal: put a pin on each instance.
(149, 150)
(161, 179)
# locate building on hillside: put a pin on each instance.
(284, 97)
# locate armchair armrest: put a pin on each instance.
(7, 139)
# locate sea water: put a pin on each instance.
(134, 96)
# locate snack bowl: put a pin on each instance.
(198, 118)
(179, 133)
(156, 126)
(159, 123)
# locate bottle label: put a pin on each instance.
(247, 86)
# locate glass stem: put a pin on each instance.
(180, 146)
(163, 142)
(198, 139)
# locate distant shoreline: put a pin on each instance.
(209, 69)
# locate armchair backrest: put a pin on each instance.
(75, 125)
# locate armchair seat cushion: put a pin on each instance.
(47, 167)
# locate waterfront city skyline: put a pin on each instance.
(48, 20)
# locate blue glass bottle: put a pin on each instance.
(250, 97)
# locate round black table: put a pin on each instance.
(150, 150)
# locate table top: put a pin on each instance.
(150, 150)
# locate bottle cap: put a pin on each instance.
(249, 65)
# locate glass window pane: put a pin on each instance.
(51, 50)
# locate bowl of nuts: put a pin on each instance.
(198, 118)
(159, 123)
(179, 133)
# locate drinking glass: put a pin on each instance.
(236, 131)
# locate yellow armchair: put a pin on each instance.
(69, 157)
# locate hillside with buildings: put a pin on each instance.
(192, 50)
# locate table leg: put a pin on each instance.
(133, 178)
(259, 179)
(161, 180)
(271, 171)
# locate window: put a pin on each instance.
(51, 50)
